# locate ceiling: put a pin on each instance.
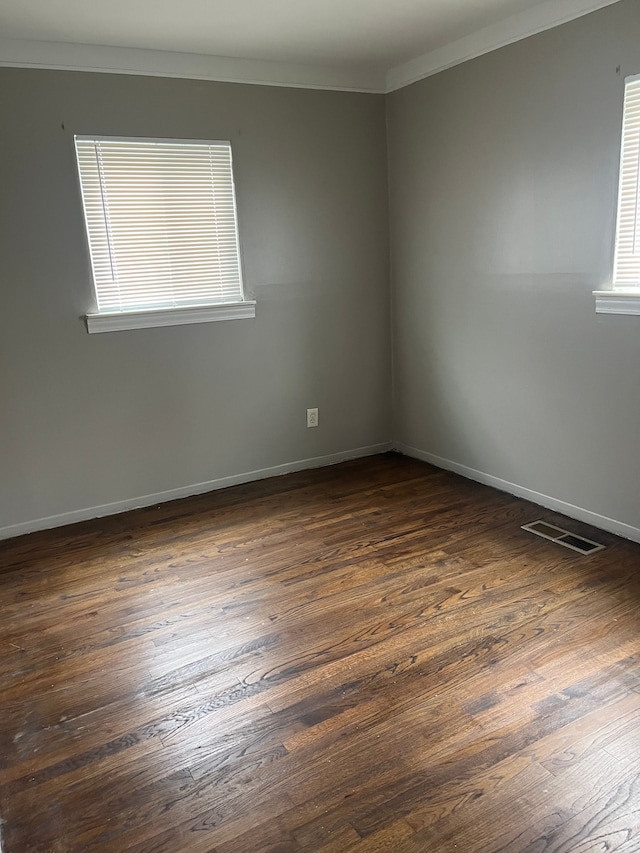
(370, 39)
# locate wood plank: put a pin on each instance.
(369, 657)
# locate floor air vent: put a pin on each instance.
(563, 537)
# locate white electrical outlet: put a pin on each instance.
(312, 417)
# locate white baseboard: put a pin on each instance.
(577, 512)
(187, 491)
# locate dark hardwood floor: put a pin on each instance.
(370, 657)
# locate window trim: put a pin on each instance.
(623, 299)
(141, 318)
(116, 321)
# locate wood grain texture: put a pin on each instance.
(369, 657)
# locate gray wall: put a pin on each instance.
(503, 179)
(89, 420)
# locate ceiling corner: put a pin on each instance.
(515, 28)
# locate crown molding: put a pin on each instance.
(19, 53)
(515, 28)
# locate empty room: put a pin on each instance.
(319, 508)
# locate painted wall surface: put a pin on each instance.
(503, 184)
(87, 420)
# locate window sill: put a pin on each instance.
(119, 320)
(617, 301)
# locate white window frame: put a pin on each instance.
(624, 297)
(108, 320)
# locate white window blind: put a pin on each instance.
(161, 221)
(627, 254)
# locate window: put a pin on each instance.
(162, 228)
(624, 298)
(627, 264)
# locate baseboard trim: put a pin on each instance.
(620, 528)
(187, 491)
